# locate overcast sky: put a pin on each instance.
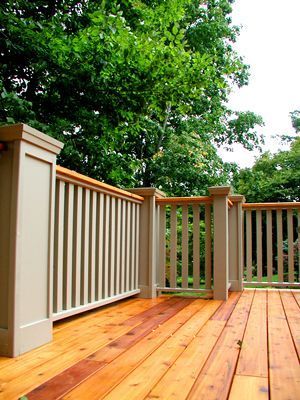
(269, 42)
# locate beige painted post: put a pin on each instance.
(148, 241)
(220, 229)
(236, 243)
(27, 181)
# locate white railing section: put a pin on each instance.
(184, 244)
(271, 244)
(96, 243)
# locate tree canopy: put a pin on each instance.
(137, 90)
(274, 177)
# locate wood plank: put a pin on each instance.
(279, 245)
(214, 381)
(107, 378)
(64, 381)
(284, 367)
(138, 383)
(249, 388)
(173, 247)
(224, 311)
(259, 245)
(196, 247)
(249, 245)
(179, 379)
(292, 313)
(185, 247)
(290, 246)
(31, 369)
(208, 247)
(296, 294)
(253, 359)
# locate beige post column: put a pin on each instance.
(236, 243)
(27, 182)
(220, 229)
(148, 247)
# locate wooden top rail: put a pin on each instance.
(230, 203)
(185, 200)
(74, 177)
(271, 206)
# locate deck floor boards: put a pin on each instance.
(169, 348)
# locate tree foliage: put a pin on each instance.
(136, 90)
(274, 177)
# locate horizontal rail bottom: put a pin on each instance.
(90, 306)
(168, 289)
(273, 284)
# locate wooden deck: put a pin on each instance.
(168, 348)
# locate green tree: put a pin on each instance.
(125, 83)
(274, 177)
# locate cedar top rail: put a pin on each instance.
(71, 176)
(185, 200)
(271, 206)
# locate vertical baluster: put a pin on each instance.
(196, 247)
(298, 239)
(259, 245)
(133, 239)
(100, 245)
(185, 249)
(128, 217)
(92, 246)
(279, 245)
(173, 245)
(59, 246)
(118, 245)
(162, 246)
(123, 247)
(68, 249)
(269, 246)
(249, 245)
(290, 246)
(85, 247)
(112, 247)
(137, 247)
(106, 247)
(208, 246)
(77, 247)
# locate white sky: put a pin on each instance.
(269, 43)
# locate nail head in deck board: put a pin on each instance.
(283, 361)
(138, 384)
(249, 388)
(179, 379)
(100, 383)
(253, 359)
(215, 379)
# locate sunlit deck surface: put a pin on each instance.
(168, 348)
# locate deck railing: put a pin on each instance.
(185, 244)
(271, 244)
(96, 243)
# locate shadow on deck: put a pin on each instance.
(168, 348)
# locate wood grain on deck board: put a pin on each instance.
(107, 378)
(215, 379)
(283, 361)
(63, 382)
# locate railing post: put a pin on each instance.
(236, 243)
(148, 250)
(27, 181)
(220, 235)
